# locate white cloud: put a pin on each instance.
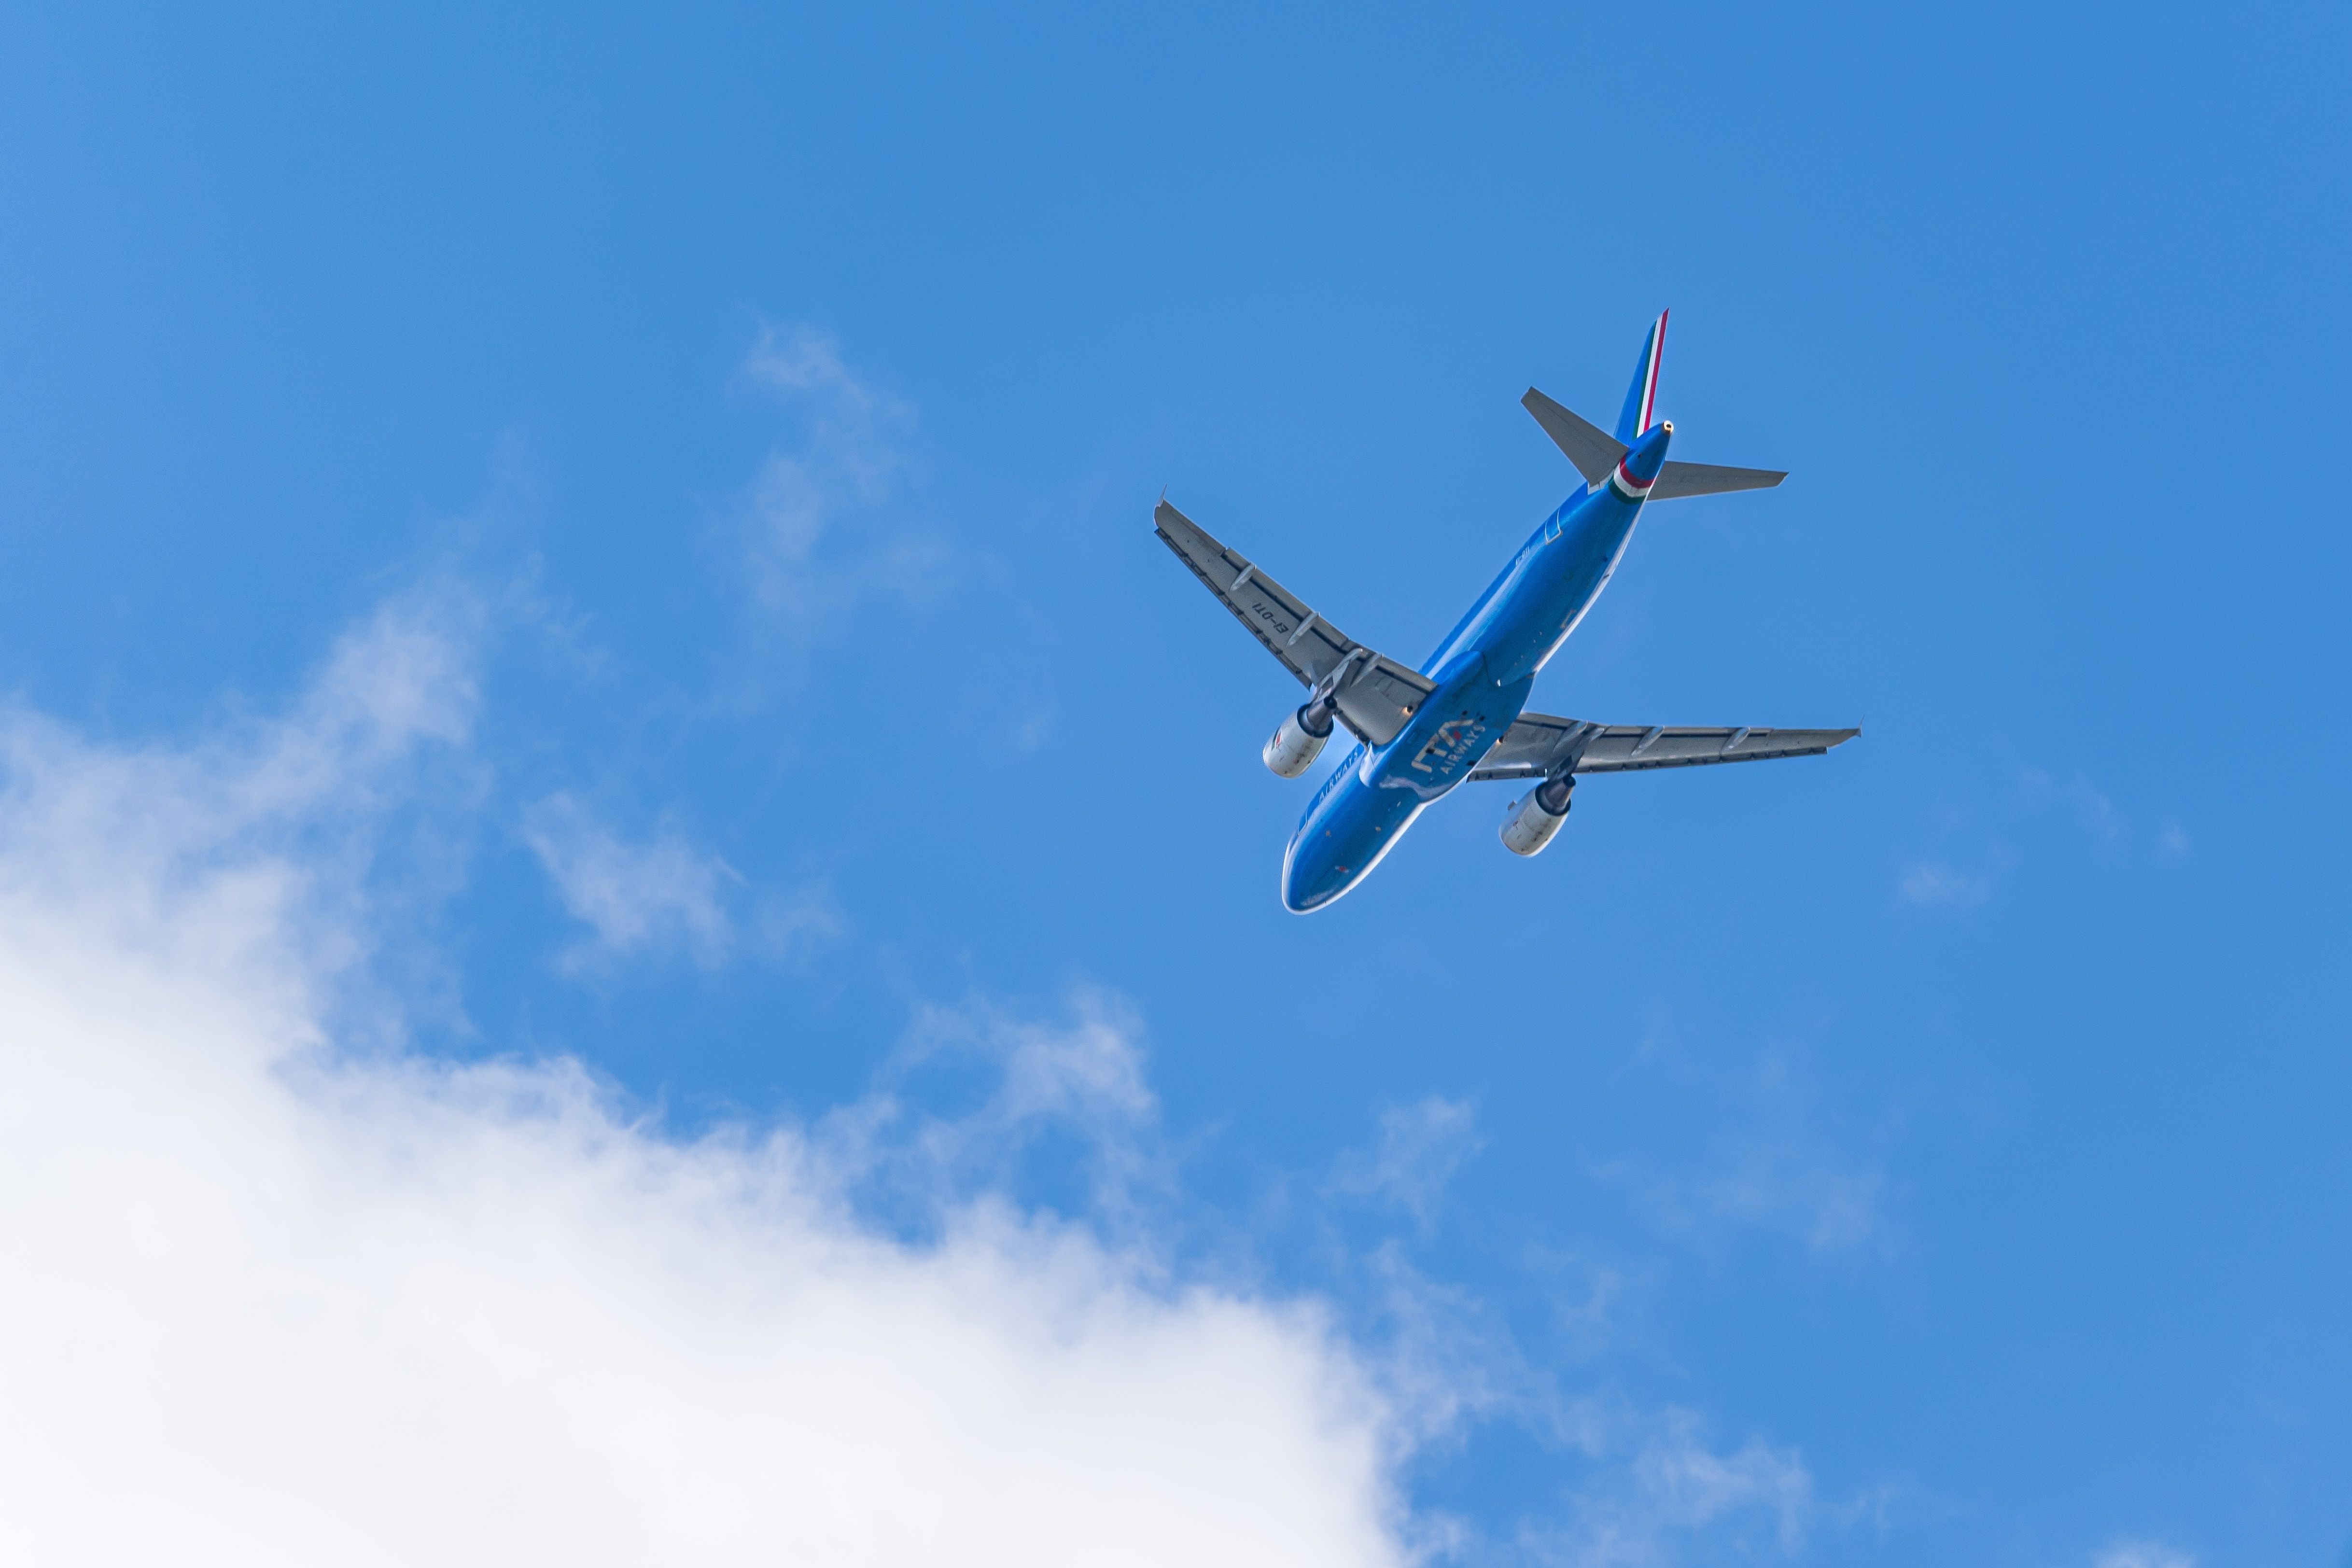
(1421, 1147)
(282, 1291)
(271, 1299)
(633, 896)
(2142, 1554)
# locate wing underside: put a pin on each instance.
(1374, 694)
(1539, 746)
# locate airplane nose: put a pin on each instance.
(1300, 892)
(1307, 901)
(1310, 878)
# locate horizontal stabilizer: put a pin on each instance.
(1709, 479)
(1593, 450)
(1540, 746)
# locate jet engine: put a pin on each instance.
(1292, 749)
(1536, 815)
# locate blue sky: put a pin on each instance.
(711, 450)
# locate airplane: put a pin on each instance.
(1459, 717)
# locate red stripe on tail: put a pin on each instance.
(1657, 357)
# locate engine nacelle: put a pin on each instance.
(1536, 816)
(1292, 749)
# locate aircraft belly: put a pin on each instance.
(1457, 727)
(1555, 604)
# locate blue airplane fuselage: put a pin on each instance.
(1484, 669)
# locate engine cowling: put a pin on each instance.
(1536, 816)
(1292, 749)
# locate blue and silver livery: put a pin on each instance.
(1460, 715)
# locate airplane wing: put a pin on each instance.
(1537, 746)
(1375, 695)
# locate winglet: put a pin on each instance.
(1642, 398)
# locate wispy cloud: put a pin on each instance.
(1595, 1302)
(1674, 1496)
(2078, 798)
(632, 896)
(819, 538)
(1775, 1182)
(1445, 1356)
(2039, 797)
(1421, 1147)
(1934, 885)
(1825, 1204)
(2141, 1554)
(978, 1097)
(855, 424)
(1774, 1169)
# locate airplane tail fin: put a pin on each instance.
(1642, 400)
(1597, 454)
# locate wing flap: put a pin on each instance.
(1374, 694)
(1379, 696)
(1538, 745)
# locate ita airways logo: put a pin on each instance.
(1450, 747)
